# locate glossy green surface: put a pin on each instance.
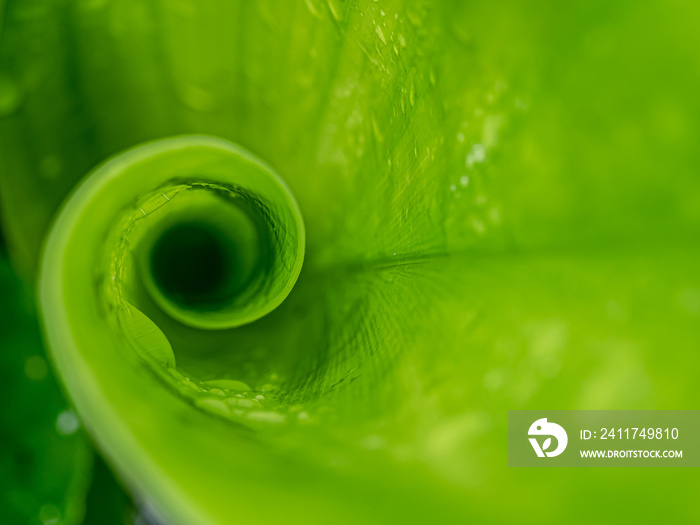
(502, 211)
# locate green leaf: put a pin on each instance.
(46, 460)
(500, 203)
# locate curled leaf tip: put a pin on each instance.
(160, 247)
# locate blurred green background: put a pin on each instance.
(502, 203)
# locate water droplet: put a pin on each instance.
(380, 34)
(476, 155)
(191, 385)
(464, 180)
(67, 423)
